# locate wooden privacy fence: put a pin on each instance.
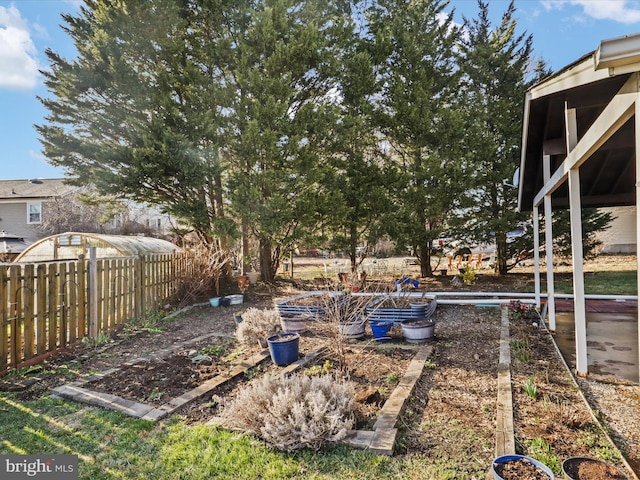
(47, 306)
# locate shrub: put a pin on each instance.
(517, 309)
(469, 276)
(292, 412)
(256, 325)
(202, 275)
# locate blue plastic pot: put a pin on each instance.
(214, 302)
(284, 348)
(380, 330)
(511, 458)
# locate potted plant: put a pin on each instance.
(584, 468)
(253, 277)
(420, 330)
(380, 329)
(296, 324)
(353, 328)
(520, 467)
(284, 348)
(254, 272)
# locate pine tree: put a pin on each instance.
(495, 62)
(418, 112)
(133, 115)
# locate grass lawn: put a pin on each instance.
(603, 283)
(111, 445)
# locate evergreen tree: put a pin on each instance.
(418, 111)
(282, 70)
(357, 177)
(495, 63)
(135, 114)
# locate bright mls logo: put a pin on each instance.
(45, 467)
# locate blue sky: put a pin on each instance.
(563, 31)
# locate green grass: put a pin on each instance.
(602, 283)
(530, 388)
(522, 349)
(542, 451)
(111, 445)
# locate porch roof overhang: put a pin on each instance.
(589, 87)
(579, 143)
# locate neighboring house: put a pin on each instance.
(23, 204)
(26, 204)
(621, 236)
(137, 218)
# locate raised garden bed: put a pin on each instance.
(452, 411)
(156, 386)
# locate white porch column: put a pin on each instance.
(548, 245)
(575, 211)
(536, 254)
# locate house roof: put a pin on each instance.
(586, 88)
(34, 188)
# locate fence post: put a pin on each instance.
(81, 281)
(138, 286)
(93, 293)
(4, 322)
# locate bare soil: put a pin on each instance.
(452, 413)
(520, 470)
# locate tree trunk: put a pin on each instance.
(268, 265)
(245, 245)
(424, 257)
(501, 247)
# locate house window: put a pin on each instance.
(34, 213)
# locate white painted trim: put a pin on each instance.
(581, 73)
(618, 52)
(29, 204)
(536, 254)
(637, 147)
(548, 242)
(575, 213)
(523, 151)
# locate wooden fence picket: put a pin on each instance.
(49, 305)
(28, 290)
(5, 360)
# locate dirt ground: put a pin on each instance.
(452, 413)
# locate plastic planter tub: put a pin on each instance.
(236, 299)
(495, 466)
(418, 330)
(284, 348)
(380, 330)
(571, 469)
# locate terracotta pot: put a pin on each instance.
(253, 277)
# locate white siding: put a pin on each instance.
(621, 236)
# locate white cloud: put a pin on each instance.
(18, 64)
(623, 11)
